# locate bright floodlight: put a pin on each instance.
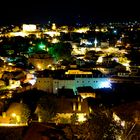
(105, 84)
(32, 81)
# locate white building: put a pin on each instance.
(51, 85)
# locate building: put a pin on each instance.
(66, 108)
(44, 84)
(86, 92)
(52, 84)
(41, 60)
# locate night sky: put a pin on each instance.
(67, 11)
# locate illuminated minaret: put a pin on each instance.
(95, 42)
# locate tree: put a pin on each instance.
(74, 118)
(64, 120)
(102, 126)
(18, 112)
(46, 108)
(19, 43)
(99, 126)
(38, 44)
(60, 51)
(25, 114)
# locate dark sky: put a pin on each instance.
(66, 11)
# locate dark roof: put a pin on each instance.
(87, 89)
(65, 105)
(15, 74)
(38, 131)
(128, 110)
(66, 92)
(60, 74)
(108, 56)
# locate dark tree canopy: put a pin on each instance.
(47, 108)
(60, 51)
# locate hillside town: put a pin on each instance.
(61, 79)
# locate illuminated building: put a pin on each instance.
(29, 27)
(41, 60)
(66, 107)
(52, 85)
(82, 30)
(77, 72)
(52, 33)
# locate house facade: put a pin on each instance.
(51, 85)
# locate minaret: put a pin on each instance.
(95, 42)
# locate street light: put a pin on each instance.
(14, 115)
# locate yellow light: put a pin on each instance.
(97, 49)
(17, 34)
(11, 64)
(74, 46)
(18, 118)
(11, 125)
(82, 30)
(39, 66)
(55, 40)
(13, 115)
(116, 118)
(29, 27)
(53, 26)
(86, 95)
(97, 30)
(100, 59)
(14, 84)
(52, 68)
(102, 30)
(81, 117)
(52, 33)
(123, 123)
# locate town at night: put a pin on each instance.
(69, 73)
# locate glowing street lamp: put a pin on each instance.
(16, 117)
(13, 115)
